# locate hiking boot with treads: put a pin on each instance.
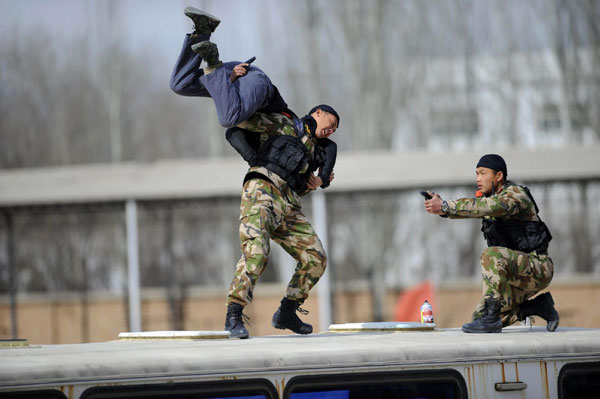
(234, 321)
(286, 318)
(489, 322)
(209, 53)
(542, 306)
(204, 23)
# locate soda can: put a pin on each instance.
(426, 312)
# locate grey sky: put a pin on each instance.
(152, 25)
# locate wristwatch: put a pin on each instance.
(445, 207)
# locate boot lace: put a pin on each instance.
(302, 311)
(246, 319)
(240, 317)
(532, 321)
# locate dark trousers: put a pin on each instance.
(235, 102)
(185, 79)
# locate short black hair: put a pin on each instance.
(494, 162)
(326, 108)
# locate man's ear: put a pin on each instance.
(500, 176)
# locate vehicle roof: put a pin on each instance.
(122, 360)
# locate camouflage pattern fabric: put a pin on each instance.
(509, 275)
(267, 212)
(272, 123)
(513, 277)
(278, 124)
(511, 203)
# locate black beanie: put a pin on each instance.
(493, 161)
(326, 108)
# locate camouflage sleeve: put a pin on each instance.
(508, 202)
(272, 123)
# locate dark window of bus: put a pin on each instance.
(446, 384)
(42, 394)
(240, 389)
(579, 380)
(239, 397)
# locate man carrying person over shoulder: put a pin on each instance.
(283, 151)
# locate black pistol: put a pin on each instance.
(426, 195)
(250, 61)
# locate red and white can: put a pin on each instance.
(426, 312)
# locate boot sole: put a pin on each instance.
(193, 11)
(470, 331)
(211, 20)
(552, 325)
(197, 46)
(280, 327)
(240, 336)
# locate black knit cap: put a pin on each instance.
(326, 108)
(493, 161)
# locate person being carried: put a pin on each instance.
(283, 151)
(235, 99)
(516, 265)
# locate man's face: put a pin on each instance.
(326, 123)
(485, 178)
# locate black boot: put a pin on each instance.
(286, 318)
(204, 23)
(209, 53)
(542, 306)
(234, 322)
(489, 322)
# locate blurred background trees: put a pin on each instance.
(439, 75)
(404, 74)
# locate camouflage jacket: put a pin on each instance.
(278, 124)
(512, 203)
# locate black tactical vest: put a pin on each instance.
(286, 156)
(524, 236)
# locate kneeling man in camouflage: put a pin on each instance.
(516, 265)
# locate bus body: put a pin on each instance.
(521, 362)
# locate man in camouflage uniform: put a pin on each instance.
(283, 152)
(516, 265)
(270, 208)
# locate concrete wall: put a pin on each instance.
(62, 320)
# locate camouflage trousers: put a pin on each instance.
(266, 213)
(513, 277)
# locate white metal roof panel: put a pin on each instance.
(122, 360)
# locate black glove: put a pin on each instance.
(245, 143)
(325, 155)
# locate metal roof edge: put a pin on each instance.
(222, 177)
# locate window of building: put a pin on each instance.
(579, 116)
(550, 120)
(455, 122)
